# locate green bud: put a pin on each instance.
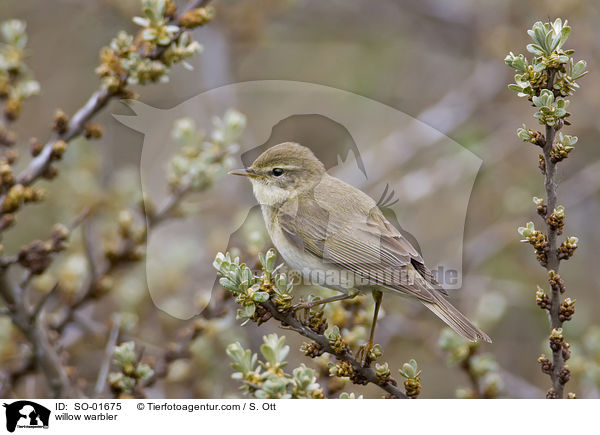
(125, 353)
(528, 230)
(270, 259)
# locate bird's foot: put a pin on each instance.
(303, 306)
(369, 352)
(315, 302)
(364, 354)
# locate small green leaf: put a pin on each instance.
(274, 350)
(578, 70)
(564, 34)
(535, 49)
(270, 258)
(408, 371)
(229, 285)
(514, 87)
(260, 297)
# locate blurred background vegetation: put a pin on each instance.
(439, 61)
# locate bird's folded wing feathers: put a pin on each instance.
(416, 259)
(365, 244)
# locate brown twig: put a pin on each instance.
(97, 271)
(25, 317)
(553, 262)
(45, 356)
(367, 374)
(549, 83)
(108, 354)
(169, 206)
(11, 377)
(99, 99)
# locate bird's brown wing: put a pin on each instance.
(366, 243)
(415, 257)
(363, 243)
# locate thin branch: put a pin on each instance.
(170, 205)
(86, 295)
(89, 252)
(97, 271)
(551, 188)
(44, 353)
(80, 219)
(13, 376)
(467, 366)
(519, 387)
(99, 99)
(367, 374)
(40, 305)
(76, 125)
(25, 317)
(553, 262)
(108, 353)
(496, 237)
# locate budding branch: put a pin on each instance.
(288, 321)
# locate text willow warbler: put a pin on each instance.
(321, 224)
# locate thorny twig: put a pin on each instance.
(367, 374)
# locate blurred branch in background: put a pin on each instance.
(16, 78)
(108, 354)
(193, 169)
(481, 369)
(161, 42)
(578, 188)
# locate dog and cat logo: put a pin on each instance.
(25, 414)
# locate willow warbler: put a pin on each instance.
(323, 227)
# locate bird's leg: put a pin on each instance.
(309, 305)
(366, 350)
(378, 297)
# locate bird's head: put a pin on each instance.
(283, 171)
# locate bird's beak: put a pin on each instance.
(248, 172)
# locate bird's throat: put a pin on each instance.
(269, 194)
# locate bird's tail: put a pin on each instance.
(455, 319)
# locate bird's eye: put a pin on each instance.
(277, 172)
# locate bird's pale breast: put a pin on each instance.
(313, 270)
